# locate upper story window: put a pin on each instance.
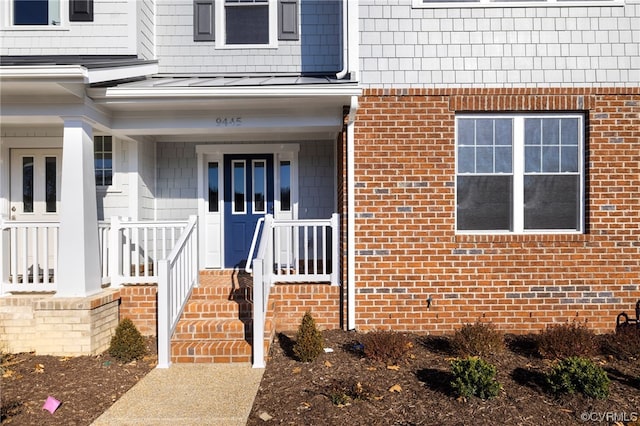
(520, 173)
(49, 12)
(36, 12)
(245, 23)
(511, 3)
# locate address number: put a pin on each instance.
(228, 121)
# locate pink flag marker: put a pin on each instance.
(51, 404)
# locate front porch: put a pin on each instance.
(150, 273)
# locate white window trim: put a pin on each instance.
(518, 174)
(62, 26)
(221, 28)
(419, 4)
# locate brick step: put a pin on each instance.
(217, 309)
(215, 329)
(221, 292)
(221, 351)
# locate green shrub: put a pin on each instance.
(576, 374)
(479, 339)
(127, 344)
(567, 340)
(309, 341)
(385, 346)
(624, 344)
(473, 376)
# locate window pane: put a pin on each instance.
(532, 131)
(552, 202)
(50, 184)
(550, 131)
(484, 202)
(569, 133)
(466, 132)
(285, 186)
(213, 187)
(569, 157)
(504, 159)
(103, 160)
(247, 24)
(550, 159)
(27, 184)
(484, 160)
(466, 160)
(504, 132)
(532, 159)
(30, 12)
(239, 187)
(484, 132)
(259, 186)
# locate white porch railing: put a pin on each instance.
(177, 275)
(290, 251)
(134, 248)
(29, 256)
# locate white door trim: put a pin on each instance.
(216, 152)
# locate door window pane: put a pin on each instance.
(285, 186)
(239, 186)
(27, 184)
(50, 184)
(259, 186)
(103, 160)
(213, 187)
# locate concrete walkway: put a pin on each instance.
(188, 394)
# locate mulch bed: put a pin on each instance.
(86, 386)
(417, 390)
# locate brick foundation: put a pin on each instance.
(58, 326)
(407, 250)
(293, 300)
(139, 303)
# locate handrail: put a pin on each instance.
(256, 232)
(261, 288)
(177, 276)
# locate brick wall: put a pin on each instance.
(139, 304)
(293, 300)
(407, 250)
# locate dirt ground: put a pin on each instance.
(417, 391)
(86, 386)
(413, 392)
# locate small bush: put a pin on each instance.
(479, 339)
(385, 346)
(576, 374)
(567, 340)
(473, 376)
(309, 341)
(127, 344)
(624, 344)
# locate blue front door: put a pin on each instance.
(248, 196)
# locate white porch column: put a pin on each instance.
(79, 257)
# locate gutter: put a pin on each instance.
(345, 41)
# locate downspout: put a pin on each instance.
(351, 205)
(345, 41)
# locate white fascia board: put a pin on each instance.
(77, 73)
(114, 93)
(98, 75)
(59, 72)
